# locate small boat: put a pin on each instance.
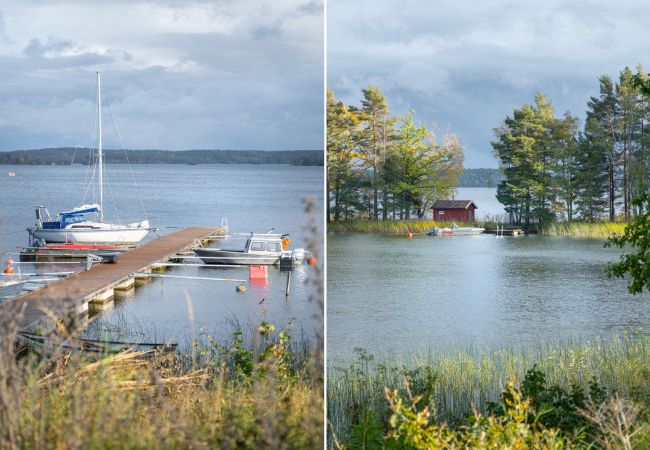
(260, 249)
(108, 253)
(11, 288)
(11, 174)
(76, 225)
(455, 230)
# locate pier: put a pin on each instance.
(70, 297)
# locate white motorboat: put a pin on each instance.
(78, 225)
(455, 230)
(260, 249)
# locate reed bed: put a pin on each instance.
(457, 381)
(385, 226)
(600, 230)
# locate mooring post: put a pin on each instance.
(286, 292)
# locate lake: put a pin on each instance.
(390, 295)
(251, 197)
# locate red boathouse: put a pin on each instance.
(458, 210)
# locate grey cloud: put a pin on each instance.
(256, 86)
(468, 64)
(266, 31)
(38, 48)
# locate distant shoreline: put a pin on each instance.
(68, 156)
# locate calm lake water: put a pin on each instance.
(390, 295)
(251, 197)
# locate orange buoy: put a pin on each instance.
(9, 270)
(311, 260)
(409, 235)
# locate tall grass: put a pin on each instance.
(385, 226)
(263, 394)
(456, 381)
(601, 230)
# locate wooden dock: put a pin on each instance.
(70, 296)
(506, 232)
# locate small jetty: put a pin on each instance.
(70, 297)
(505, 231)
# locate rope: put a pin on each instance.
(128, 163)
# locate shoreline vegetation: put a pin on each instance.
(598, 230)
(68, 156)
(571, 392)
(236, 394)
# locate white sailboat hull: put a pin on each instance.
(113, 235)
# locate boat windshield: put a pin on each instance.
(257, 246)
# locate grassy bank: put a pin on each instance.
(264, 394)
(600, 230)
(455, 383)
(385, 226)
(584, 229)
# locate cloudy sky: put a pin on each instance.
(467, 64)
(238, 74)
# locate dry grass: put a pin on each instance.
(224, 396)
(600, 230)
(385, 226)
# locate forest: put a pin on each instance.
(68, 155)
(554, 170)
(385, 167)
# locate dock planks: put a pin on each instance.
(73, 293)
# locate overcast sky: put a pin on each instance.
(238, 74)
(467, 64)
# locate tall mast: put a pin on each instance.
(100, 156)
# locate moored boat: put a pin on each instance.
(77, 225)
(455, 230)
(260, 249)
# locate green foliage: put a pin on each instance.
(455, 382)
(553, 172)
(636, 236)
(412, 427)
(537, 154)
(556, 406)
(385, 167)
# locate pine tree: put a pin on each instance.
(592, 178)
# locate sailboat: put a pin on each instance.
(85, 224)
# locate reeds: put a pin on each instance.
(385, 226)
(600, 230)
(457, 381)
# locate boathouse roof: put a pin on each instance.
(453, 204)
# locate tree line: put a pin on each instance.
(69, 155)
(381, 166)
(555, 170)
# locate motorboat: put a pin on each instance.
(85, 224)
(260, 249)
(455, 230)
